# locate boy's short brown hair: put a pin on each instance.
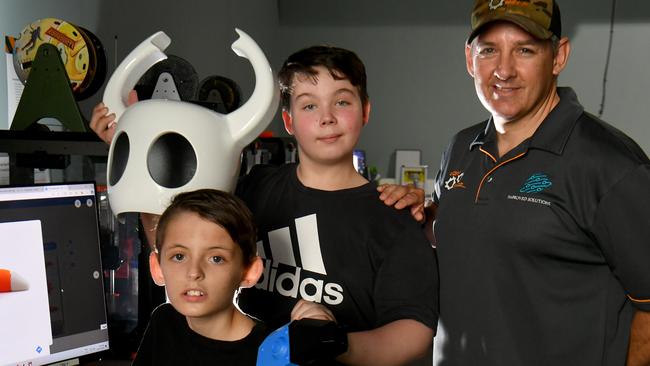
(221, 208)
(341, 63)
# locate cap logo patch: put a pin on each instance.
(494, 6)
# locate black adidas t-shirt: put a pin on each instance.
(367, 262)
(168, 340)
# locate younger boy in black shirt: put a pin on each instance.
(205, 251)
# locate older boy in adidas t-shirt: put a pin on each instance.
(332, 249)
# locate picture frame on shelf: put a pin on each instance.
(415, 175)
(406, 157)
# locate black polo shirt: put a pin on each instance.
(544, 253)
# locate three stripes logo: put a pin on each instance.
(281, 272)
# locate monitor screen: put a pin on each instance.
(52, 304)
(359, 161)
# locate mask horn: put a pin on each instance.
(249, 120)
(127, 74)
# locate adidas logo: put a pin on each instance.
(281, 272)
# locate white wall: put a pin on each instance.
(627, 103)
(418, 84)
(419, 88)
(413, 50)
(201, 32)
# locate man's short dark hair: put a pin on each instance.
(341, 63)
(221, 208)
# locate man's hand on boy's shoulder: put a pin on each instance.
(400, 197)
(103, 123)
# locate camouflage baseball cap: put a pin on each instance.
(541, 18)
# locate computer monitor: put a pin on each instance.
(52, 305)
(359, 161)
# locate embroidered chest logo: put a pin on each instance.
(455, 180)
(536, 183)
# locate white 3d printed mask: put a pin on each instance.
(163, 147)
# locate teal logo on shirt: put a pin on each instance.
(536, 183)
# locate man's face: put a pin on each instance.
(326, 118)
(514, 73)
(201, 267)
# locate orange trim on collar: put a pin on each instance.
(488, 154)
(638, 300)
(478, 191)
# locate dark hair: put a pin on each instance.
(341, 63)
(221, 208)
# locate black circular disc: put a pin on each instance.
(220, 89)
(185, 78)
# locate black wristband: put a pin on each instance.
(312, 340)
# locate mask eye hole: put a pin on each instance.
(120, 158)
(171, 161)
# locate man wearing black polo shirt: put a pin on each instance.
(543, 212)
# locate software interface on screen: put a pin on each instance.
(51, 285)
